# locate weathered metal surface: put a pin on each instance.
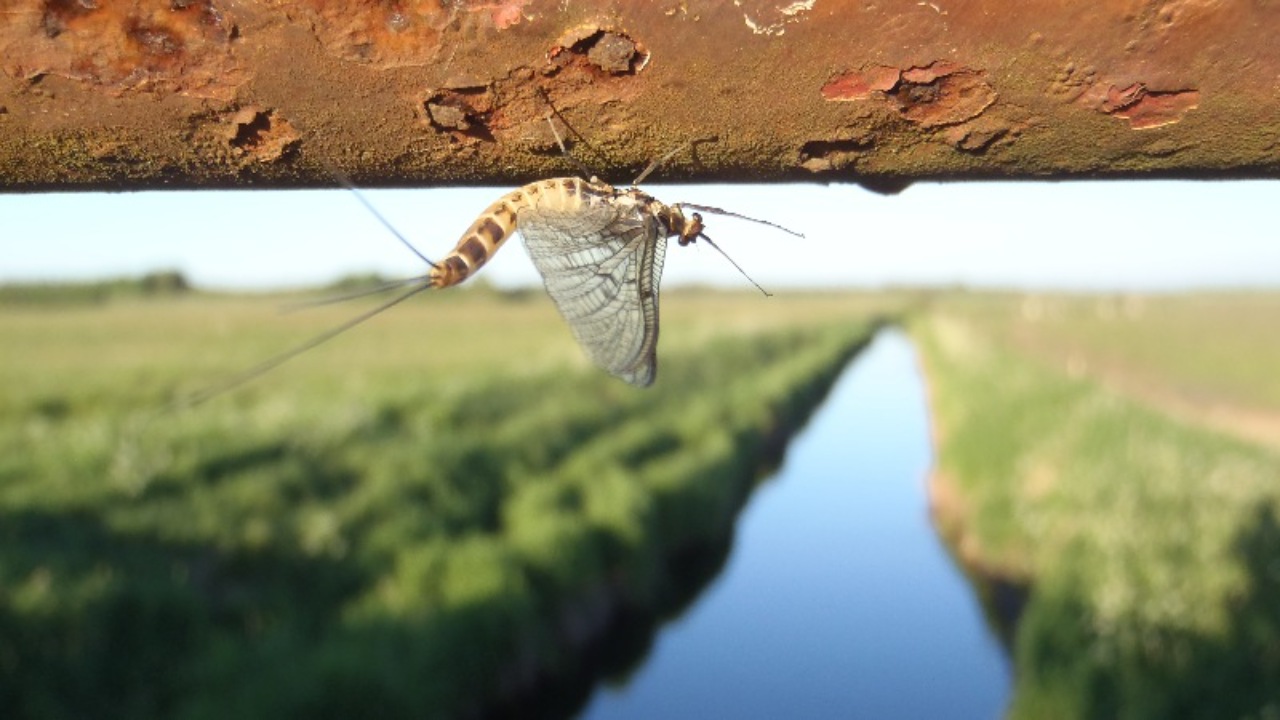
(208, 93)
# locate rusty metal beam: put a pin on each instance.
(100, 94)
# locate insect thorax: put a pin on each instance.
(671, 219)
(566, 195)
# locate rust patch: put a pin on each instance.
(399, 33)
(383, 33)
(511, 110)
(942, 93)
(590, 66)
(66, 133)
(603, 50)
(466, 113)
(1144, 108)
(259, 135)
(837, 153)
(935, 95)
(182, 46)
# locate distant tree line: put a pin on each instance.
(161, 283)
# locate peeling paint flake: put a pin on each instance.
(860, 84)
(948, 96)
(785, 15)
(604, 49)
(258, 135)
(508, 14)
(939, 94)
(980, 134)
(838, 153)
(796, 8)
(464, 113)
(1145, 108)
(923, 75)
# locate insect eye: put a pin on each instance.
(695, 227)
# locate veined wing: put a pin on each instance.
(601, 263)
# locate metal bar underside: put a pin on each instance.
(279, 93)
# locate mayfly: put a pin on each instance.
(598, 248)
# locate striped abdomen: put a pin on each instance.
(498, 221)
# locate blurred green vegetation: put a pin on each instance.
(442, 507)
(156, 284)
(1113, 455)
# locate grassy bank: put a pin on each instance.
(441, 508)
(1093, 448)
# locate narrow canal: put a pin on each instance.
(838, 598)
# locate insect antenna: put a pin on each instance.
(703, 236)
(271, 363)
(726, 213)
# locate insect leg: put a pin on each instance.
(583, 170)
(736, 265)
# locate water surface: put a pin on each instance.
(838, 599)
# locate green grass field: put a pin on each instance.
(1097, 449)
(449, 503)
(440, 507)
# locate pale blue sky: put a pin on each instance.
(1076, 235)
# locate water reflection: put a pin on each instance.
(838, 599)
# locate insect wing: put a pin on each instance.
(601, 264)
